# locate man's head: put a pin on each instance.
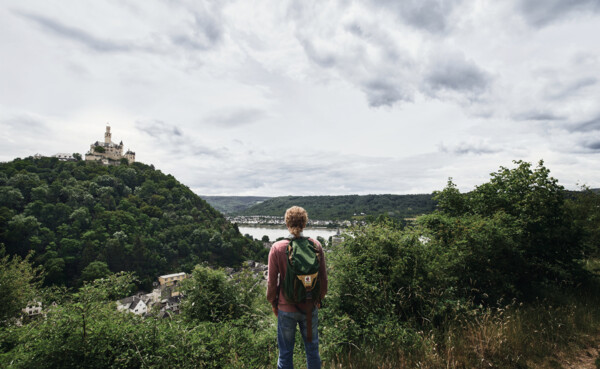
(296, 219)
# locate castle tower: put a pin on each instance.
(107, 152)
(107, 135)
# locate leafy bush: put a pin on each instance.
(19, 283)
(211, 295)
(535, 241)
(512, 237)
(385, 283)
(86, 331)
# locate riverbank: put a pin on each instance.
(268, 220)
(276, 231)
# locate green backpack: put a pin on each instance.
(301, 281)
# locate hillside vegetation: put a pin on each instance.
(231, 205)
(348, 207)
(82, 220)
(504, 276)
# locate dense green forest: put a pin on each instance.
(83, 220)
(231, 205)
(348, 207)
(505, 276)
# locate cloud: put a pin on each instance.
(322, 58)
(200, 28)
(434, 16)
(563, 90)
(159, 130)
(585, 126)
(389, 61)
(26, 123)
(592, 145)
(25, 133)
(235, 117)
(465, 148)
(537, 115)
(540, 13)
(78, 35)
(204, 32)
(171, 140)
(380, 77)
(381, 91)
(319, 173)
(453, 72)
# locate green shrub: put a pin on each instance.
(210, 295)
(534, 242)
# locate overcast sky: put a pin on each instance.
(279, 97)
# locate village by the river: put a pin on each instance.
(275, 232)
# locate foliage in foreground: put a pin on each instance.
(513, 238)
(448, 293)
(19, 281)
(85, 330)
(543, 334)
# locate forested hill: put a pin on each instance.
(84, 220)
(233, 204)
(348, 207)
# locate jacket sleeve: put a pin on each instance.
(273, 274)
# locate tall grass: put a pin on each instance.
(539, 334)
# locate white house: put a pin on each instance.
(133, 304)
(33, 308)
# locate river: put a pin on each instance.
(275, 232)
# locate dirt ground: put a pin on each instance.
(585, 360)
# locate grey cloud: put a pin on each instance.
(430, 15)
(464, 148)
(537, 115)
(455, 73)
(205, 33)
(171, 139)
(323, 59)
(540, 13)
(26, 123)
(25, 134)
(383, 92)
(77, 35)
(286, 175)
(202, 34)
(319, 173)
(158, 129)
(323, 173)
(592, 145)
(386, 75)
(565, 90)
(205, 151)
(381, 88)
(587, 126)
(210, 27)
(19, 124)
(235, 117)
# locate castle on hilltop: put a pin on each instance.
(108, 152)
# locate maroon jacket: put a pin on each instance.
(277, 268)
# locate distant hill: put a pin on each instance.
(348, 206)
(231, 205)
(83, 219)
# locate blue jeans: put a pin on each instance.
(286, 336)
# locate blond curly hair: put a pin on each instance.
(296, 219)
